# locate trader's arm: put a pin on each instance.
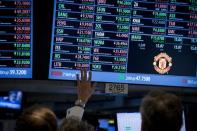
(85, 90)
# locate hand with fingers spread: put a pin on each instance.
(85, 88)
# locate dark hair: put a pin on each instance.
(37, 118)
(161, 112)
(74, 124)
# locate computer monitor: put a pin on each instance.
(107, 124)
(132, 122)
(13, 100)
(129, 121)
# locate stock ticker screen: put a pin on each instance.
(16, 25)
(126, 41)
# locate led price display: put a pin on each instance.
(126, 41)
(16, 38)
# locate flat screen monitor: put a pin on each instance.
(16, 40)
(132, 122)
(126, 41)
(106, 124)
(12, 100)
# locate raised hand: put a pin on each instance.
(84, 86)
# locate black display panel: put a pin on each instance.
(126, 41)
(16, 29)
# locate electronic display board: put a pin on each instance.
(16, 29)
(150, 42)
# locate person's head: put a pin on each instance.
(37, 118)
(161, 111)
(73, 124)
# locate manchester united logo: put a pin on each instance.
(162, 63)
